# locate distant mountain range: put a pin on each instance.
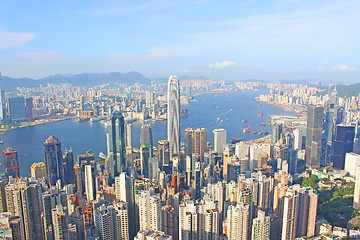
(83, 80)
(86, 80)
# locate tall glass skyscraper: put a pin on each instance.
(53, 160)
(146, 148)
(313, 136)
(173, 115)
(116, 163)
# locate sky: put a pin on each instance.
(222, 40)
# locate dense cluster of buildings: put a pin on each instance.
(181, 191)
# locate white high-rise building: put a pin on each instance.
(89, 183)
(261, 227)
(219, 140)
(173, 115)
(297, 139)
(60, 223)
(242, 150)
(289, 218)
(356, 203)
(352, 160)
(198, 221)
(238, 222)
(149, 211)
(111, 222)
(128, 135)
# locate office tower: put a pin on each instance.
(2, 115)
(254, 153)
(219, 140)
(238, 222)
(149, 99)
(290, 211)
(195, 142)
(233, 170)
(124, 190)
(169, 221)
(164, 155)
(242, 150)
(276, 131)
(69, 167)
(173, 116)
(128, 135)
(356, 203)
(60, 223)
(89, 183)
(265, 191)
(197, 181)
(188, 141)
(146, 149)
(261, 227)
(53, 160)
(149, 211)
(352, 160)
(297, 139)
(153, 166)
(116, 163)
(78, 180)
(38, 170)
(29, 108)
(11, 163)
(313, 137)
(343, 144)
(17, 109)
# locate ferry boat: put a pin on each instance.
(262, 124)
(218, 119)
(233, 141)
(255, 132)
(260, 114)
(267, 132)
(244, 121)
(261, 132)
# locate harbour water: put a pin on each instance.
(210, 111)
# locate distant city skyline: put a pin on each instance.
(272, 40)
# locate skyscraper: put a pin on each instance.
(289, 218)
(1, 100)
(238, 222)
(356, 203)
(116, 163)
(313, 137)
(149, 211)
(17, 109)
(89, 183)
(60, 223)
(261, 227)
(219, 140)
(53, 160)
(344, 142)
(29, 108)
(69, 167)
(173, 115)
(11, 163)
(146, 145)
(195, 142)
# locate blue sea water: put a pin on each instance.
(231, 108)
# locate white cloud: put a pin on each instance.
(325, 62)
(343, 67)
(254, 66)
(10, 39)
(224, 65)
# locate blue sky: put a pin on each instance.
(224, 40)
